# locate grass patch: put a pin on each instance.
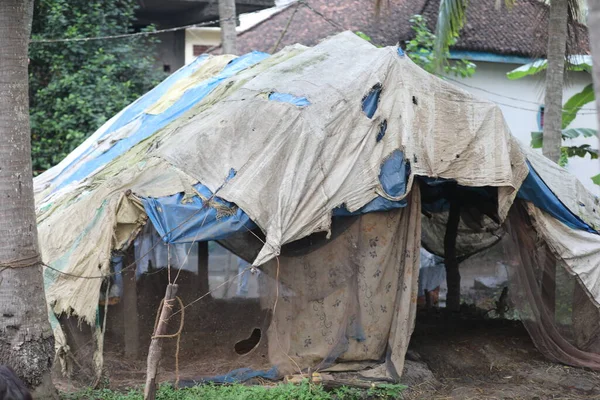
(304, 391)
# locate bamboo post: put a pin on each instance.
(155, 350)
(130, 312)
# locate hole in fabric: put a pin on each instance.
(394, 173)
(382, 129)
(289, 98)
(415, 102)
(247, 345)
(371, 100)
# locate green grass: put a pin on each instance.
(304, 391)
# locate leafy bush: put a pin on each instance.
(77, 86)
(420, 50)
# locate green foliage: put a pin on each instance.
(574, 104)
(537, 140)
(452, 15)
(596, 179)
(527, 70)
(573, 63)
(451, 19)
(304, 391)
(77, 86)
(364, 36)
(570, 109)
(420, 50)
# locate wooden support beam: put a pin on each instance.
(131, 330)
(450, 259)
(155, 350)
(203, 283)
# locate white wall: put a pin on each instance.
(520, 101)
(212, 36)
(200, 36)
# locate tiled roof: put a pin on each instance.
(520, 31)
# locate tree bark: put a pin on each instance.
(26, 340)
(450, 259)
(228, 24)
(557, 43)
(594, 28)
(155, 350)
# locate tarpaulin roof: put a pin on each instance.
(282, 143)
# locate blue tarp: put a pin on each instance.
(535, 190)
(393, 175)
(192, 220)
(242, 375)
(289, 98)
(177, 221)
(371, 101)
(150, 123)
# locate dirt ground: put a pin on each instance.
(472, 358)
(450, 357)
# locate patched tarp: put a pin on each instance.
(283, 143)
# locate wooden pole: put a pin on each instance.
(450, 259)
(203, 277)
(130, 311)
(155, 350)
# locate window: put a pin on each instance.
(199, 49)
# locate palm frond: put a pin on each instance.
(575, 16)
(451, 18)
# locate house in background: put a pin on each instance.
(498, 41)
(166, 14)
(203, 39)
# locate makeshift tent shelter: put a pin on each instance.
(316, 164)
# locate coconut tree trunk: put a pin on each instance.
(26, 341)
(228, 24)
(557, 43)
(594, 28)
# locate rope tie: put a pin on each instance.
(174, 335)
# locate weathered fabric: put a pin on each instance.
(547, 295)
(285, 138)
(353, 299)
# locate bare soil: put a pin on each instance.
(450, 357)
(475, 358)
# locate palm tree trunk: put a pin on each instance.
(557, 43)
(594, 27)
(228, 24)
(26, 341)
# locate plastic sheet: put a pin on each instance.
(289, 98)
(535, 190)
(148, 124)
(186, 220)
(554, 306)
